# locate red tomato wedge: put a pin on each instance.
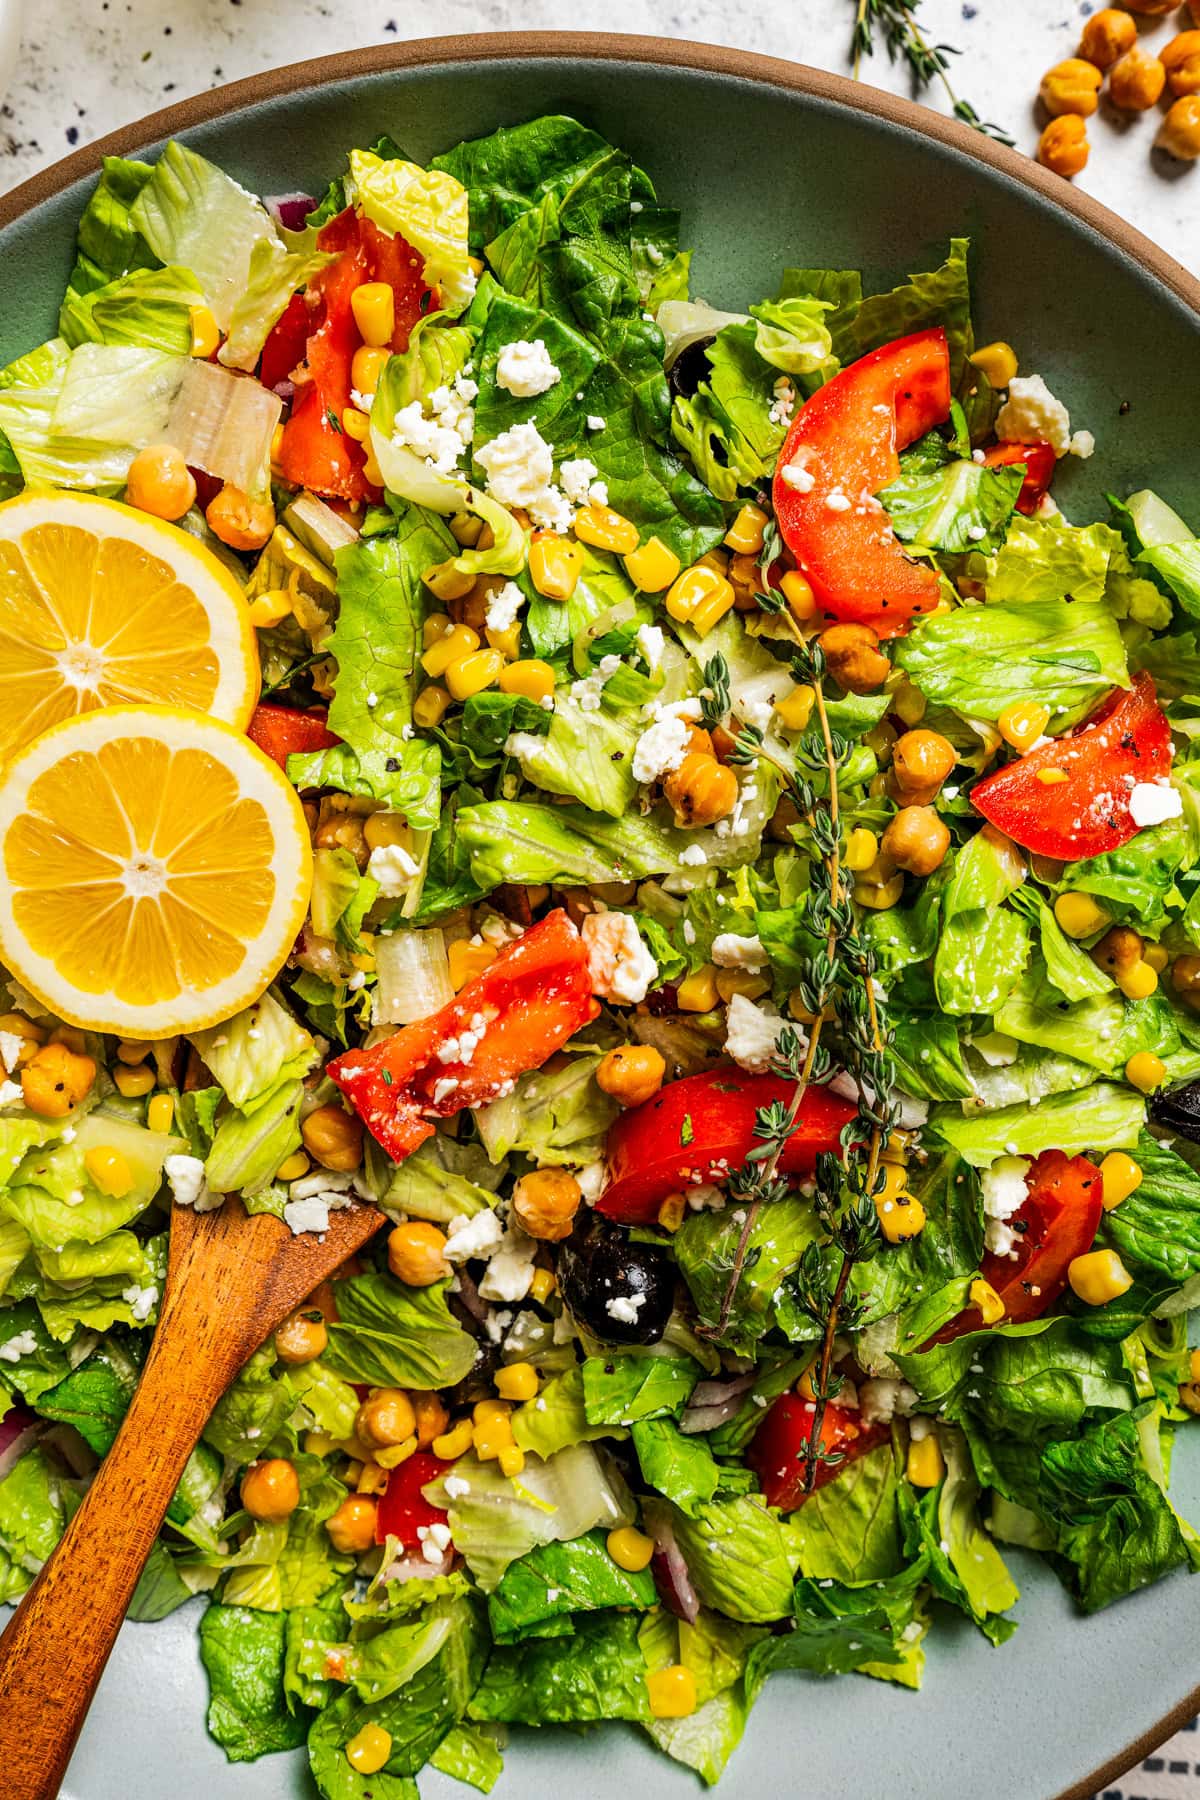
(536, 995)
(778, 1449)
(845, 441)
(1039, 460)
(698, 1129)
(1127, 742)
(283, 731)
(1056, 1223)
(403, 1509)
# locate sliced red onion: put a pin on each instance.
(18, 1429)
(713, 1402)
(670, 1573)
(289, 210)
(468, 1293)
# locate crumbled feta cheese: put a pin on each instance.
(456, 1487)
(434, 1541)
(662, 746)
(1032, 414)
(503, 608)
(693, 855)
(784, 402)
(595, 422)
(797, 477)
(1004, 1191)
(10, 1092)
(524, 368)
(1153, 801)
(586, 693)
(651, 642)
(729, 951)
(443, 1089)
(881, 1400)
(23, 1344)
(478, 1235)
(705, 1196)
(306, 1215)
(689, 933)
(625, 1308)
(496, 1324)
(520, 471)
(141, 1301)
(440, 445)
(619, 965)
(752, 1033)
(331, 1185)
(577, 477)
(186, 1177)
(393, 868)
(592, 1179)
(1082, 445)
(12, 1043)
(510, 1270)
(836, 501)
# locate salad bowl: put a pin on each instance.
(766, 158)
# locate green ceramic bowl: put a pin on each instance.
(772, 164)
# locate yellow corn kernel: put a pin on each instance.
(270, 608)
(452, 646)
(1099, 1277)
(372, 471)
(1138, 982)
(672, 1692)
(467, 960)
(746, 533)
(429, 706)
(435, 628)
(374, 308)
(511, 1460)
(453, 1443)
(1052, 777)
(672, 1212)
(293, 1167)
(896, 1149)
(542, 1285)
(447, 582)
(1145, 1071)
(276, 447)
(925, 1464)
(652, 567)
(355, 424)
(530, 677)
(698, 992)
(392, 1455)
(366, 368)
(605, 529)
(1121, 1177)
(206, 333)
(471, 674)
(517, 1381)
(1156, 956)
(862, 847)
(319, 1443)
(133, 1083)
(630, 1549)
(491, 1412)
(381, 829)
(879, 896)
(1023, 724)
(507, 642)
(909, 703)
(372, 1478)
(698, 587)
(901, 1218)
(132, 1051)
(795, 709)
(160, 1114)
(1079, 915)
(369, 1749)
(109, 1171)
(554, 564)
(801, 601)
(997, 361)
(742, 981)
(895, 1179)
(465, 529)
(983, 1295)
(711, 611)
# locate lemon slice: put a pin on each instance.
(101, 605)
(155, 869)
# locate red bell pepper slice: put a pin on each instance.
(1126, 742)
(779, 1447)
(845, 440)
(1039, 459)
(698, 1129)
(403, 1510)
(282, 731)
(535, 996)
(284, 350)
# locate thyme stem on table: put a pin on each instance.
(905, 41)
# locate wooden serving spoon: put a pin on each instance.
(230, 1281)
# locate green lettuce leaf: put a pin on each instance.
(560, 1117)
(242, 1652)
(248, 1414)
(191, 213)
(443, 1179)
(738, 1556)
(425, 207)
(1045, 558)
(681, 1468)
(470, 1756)
(939, 297)
(939, 503)
(556, 1580)
(981, 660)
(53, 1198)
(389, 1335)
(586, 756)
(1102, 1116)
(624, 1387)
(250, 1145)
(706, 1248)
(849, 1530)
(35, 1505)
(108, 244)
(150, 307)
(255, 1050)
(558, 1417)
(76, 418)
(534, 1683)
(273, 276)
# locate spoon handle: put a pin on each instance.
(54, 1650)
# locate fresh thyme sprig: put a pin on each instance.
(906, 42)
(835, 984)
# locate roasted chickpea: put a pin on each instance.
(631, 1074)
(333, 1137)
(271, 1490)
(339, 828)
(301, 1338)
(1072, 86)
(417, 1253)
(160, 482)
(921, 761)
(545, 1203)
(1185, 979)
(385, 1418)
(853, 657)
(431, 1417)
(701, 790)
(239, 521)
(1136, 81)
(1181, 60)
(352, 1527)
(916, 840)
(1119, 949)
(1107, 35)
(1179, 133)
(56, 1079)
(1063, 147)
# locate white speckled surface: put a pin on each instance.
(86, 66)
